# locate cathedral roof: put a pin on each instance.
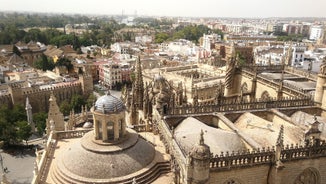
(109, 104)
(218, 140)
(265, 132)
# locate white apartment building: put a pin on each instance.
(111, 75)
(297, 54)
(316, 32)
(209, 39)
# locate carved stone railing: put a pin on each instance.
(41, 171)
(171, 144)
(234, 105)
(299, 152)
(171, 69)
(310, 75)
(242, 159)
(288, 88)
(266, 156)
(262, 68)
(71, 133)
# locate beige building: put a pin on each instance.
(260, 124)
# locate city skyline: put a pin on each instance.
(182, 8)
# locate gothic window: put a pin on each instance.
(308, 176)
(265, 95)
(232, 181)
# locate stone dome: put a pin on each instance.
(90, 162)
(109, 104)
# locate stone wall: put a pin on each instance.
(248, 175)
(297, 162)
(293, 169)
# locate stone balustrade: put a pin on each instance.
(266, 156)
(241, 159)
(234, 105)
(40, 172)
(300, 152)
(310, 75)
(71, 133)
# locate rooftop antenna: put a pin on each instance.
(122, 16)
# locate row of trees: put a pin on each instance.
(76, 103)
(23, 20)
(12, 30)
(290, 37)
(13, 125)
(45, 63)
(192, 33)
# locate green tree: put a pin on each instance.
(161, 37)
(23, 130)
(17, 113)
(7, 130)
(90, 100)
(44, 63)
(65, 62)
(34, 35)
(40, 122)
(9, 127)
(192, 33)
(76, 103)
(65, 107)
(62, 40)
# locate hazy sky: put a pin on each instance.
(195, 8)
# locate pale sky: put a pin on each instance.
(199, 8)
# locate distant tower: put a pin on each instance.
(86, 81)
(139, 86)
(54, 116)
(29, 114)
(135, 13)
(288, 60)
(320, 98)
(230, 71)
(198, 162)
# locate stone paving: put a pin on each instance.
(20, 166)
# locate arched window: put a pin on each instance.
(308, 176)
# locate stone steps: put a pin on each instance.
(144, 178)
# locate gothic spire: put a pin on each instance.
(280, 139)
(139, 85)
